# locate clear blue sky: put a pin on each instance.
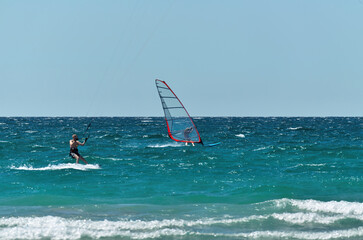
(222, 58)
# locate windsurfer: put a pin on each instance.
(74, 143)
(187, 132)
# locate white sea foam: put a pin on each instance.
(324, 235)
(62, 228)
(114, 159)
(147, 121)
(38, 146)
(308, 165)
(302, 218)
(31, 131)
(342, 207)
(50, 167)
(261, 148)
(335, 207)
(166, 145)
(294, 128)
(240, 135)
(316, 164)
(105, 135)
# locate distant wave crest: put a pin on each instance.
(240, 135)
(295, 128)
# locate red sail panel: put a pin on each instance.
(181, 127)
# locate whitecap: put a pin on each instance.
(61, 166)
(62, 228)
(240, 135)
(302, 218)
(114, 159)
(294, 128)
(38, 146)
(105, 135)
(306, 235)
(261, 148)
(166, 145)
(316, 165)
(342, 207)
(307, 165)
(133, 225)
(336, 207)
(30, 131)
(33, 228)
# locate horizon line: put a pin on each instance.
(222, 116)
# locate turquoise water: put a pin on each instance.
(271, 178)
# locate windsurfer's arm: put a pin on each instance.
(82, 144)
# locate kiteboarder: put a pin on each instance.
(74, 143)
(187, 132)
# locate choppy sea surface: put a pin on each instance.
(270, 178)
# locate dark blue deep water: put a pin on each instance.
(270, 178)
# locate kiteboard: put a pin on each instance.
(180, 125)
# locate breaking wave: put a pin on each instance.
(317, 218)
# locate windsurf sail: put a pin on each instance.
(181, 127)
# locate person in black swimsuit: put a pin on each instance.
(73, 144)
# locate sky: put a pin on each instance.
(221, 57)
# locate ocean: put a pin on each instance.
(270, 178)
